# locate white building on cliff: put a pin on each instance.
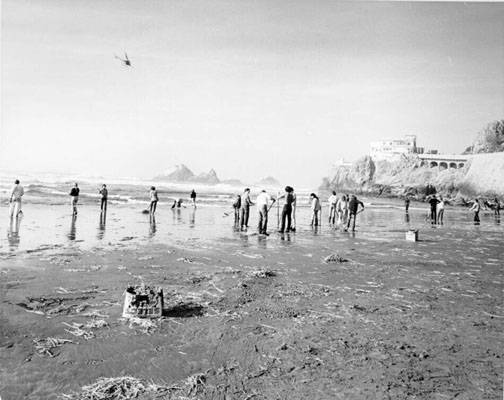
(392, 150)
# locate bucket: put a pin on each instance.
(412, 235)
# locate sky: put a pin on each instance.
(251, 88)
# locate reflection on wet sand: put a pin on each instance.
(152, 226)
(177, 216)
(192, 217)
(13, 232)
(73, 230)
(102, 224)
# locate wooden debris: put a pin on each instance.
(44, 346)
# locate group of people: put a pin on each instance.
(177, 203)
(343, 210)
(437, 206)
(264, 202)
(346, 208)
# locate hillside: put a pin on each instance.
(483, 175)
(489, 140)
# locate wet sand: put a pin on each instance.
(265, 318)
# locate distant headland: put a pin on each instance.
(400, 168)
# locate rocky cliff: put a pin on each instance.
(483, 175)
(489, 140)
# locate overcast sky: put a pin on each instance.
(250, 88)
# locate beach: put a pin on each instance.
(252, 316)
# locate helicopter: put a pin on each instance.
(126, 61)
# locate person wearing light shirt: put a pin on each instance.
(342, 210)
(333, 199)
(316, 208)
(263, 203)
(15, 199)
(476, 207)
(440, 210)
(153, 200)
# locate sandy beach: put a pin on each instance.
(254, 317)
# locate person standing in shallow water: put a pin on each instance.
(333, 200)
(153, 200)
(17, 193)
(287, 209)
(104, 198)
(476, 207)
(236, 209)
(315, 208)
(433, 201)
(342, 210)
(193, 198)
(263, 205)
(497, 207)
(245, 208)
(294, 204)
(353, 210)
(440, 210)
(74, 195)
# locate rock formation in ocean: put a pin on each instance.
(178, 173)
(182, 174)
(209, 177)
(268, 182)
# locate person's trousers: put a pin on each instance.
(103, 204)
(314, 220)
(476, 216)
(236, 216)
(332, 214)
(262, 225)
(286, 215)
(244, 216)
(352, 220)
(15, 208)
(433, 215)
(153, 205)
(440, 216)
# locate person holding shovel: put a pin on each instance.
(353, 209)
(263, 206)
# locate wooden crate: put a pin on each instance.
(143, 302)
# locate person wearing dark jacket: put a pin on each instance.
(74, 194)
(245, 208)
(193, 198)
(433, 201)
(236, 208)
(353, 210)
(104, 197)
(287, 209)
